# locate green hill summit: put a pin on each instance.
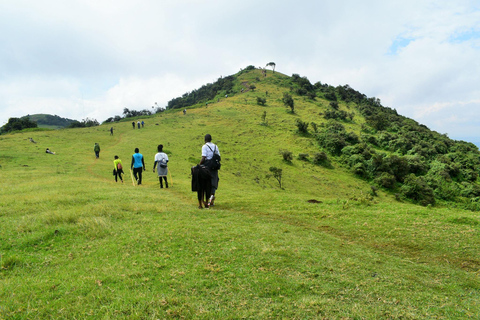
(355, 132)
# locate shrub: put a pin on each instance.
(386, 180)
(302, 126)
(287, 155)
(303, 156)
(320, 158)
(332, 142)
(261, 101)
(314, 126)
(360, 169)
(288, 101)
(264, 116)
(416, 188)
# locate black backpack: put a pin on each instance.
(214, 163)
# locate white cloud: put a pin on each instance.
(93, 58)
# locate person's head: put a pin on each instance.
(136, 150)
(208, 137)
(160, 148)
(116, 157)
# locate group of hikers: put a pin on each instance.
(138, 124)
(137, 166)
(204, 175)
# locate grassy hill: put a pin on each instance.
(75, 244)
(50, 121)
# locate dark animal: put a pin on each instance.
(202, 184)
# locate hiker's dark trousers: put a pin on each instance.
(137, 173)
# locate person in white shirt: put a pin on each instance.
(208, 149)
(161, 159)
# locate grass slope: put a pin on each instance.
(75, 244)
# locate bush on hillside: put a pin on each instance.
(302, 127)
(303, 156)
(85, 123)
(386, 180)
(320, 158)
(416, 188)
(288, 101)
(15, 124)
(261, 101)
(287, 155)
(205, 93)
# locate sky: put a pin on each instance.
(83, 59)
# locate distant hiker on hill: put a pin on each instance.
(133, 124)
(96, 148)
(117, 168)
(48, 151)
(209, 150)
(138, 124)
(143, 123)
(161, 159)
(184, 111)
(111, 131)
(137, 165)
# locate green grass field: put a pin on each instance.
(76, 245)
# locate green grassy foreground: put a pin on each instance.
(75, 245)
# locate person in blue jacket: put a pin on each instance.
(138, 166)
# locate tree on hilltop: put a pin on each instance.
(271, 64)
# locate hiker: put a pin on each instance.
(138, 124)
(137, 165)
(48, 151)
(162, 159)
(208, 151)
(184, 111)
(111, 131)
(96, 148)
(133, 124)
(117, 168)
(143, 123)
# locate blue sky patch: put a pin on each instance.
(465, 36)
(398, 44)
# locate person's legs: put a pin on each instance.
(214, 182)
(116, 174)
(135, 174)
(166, 182)
(161, 184)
